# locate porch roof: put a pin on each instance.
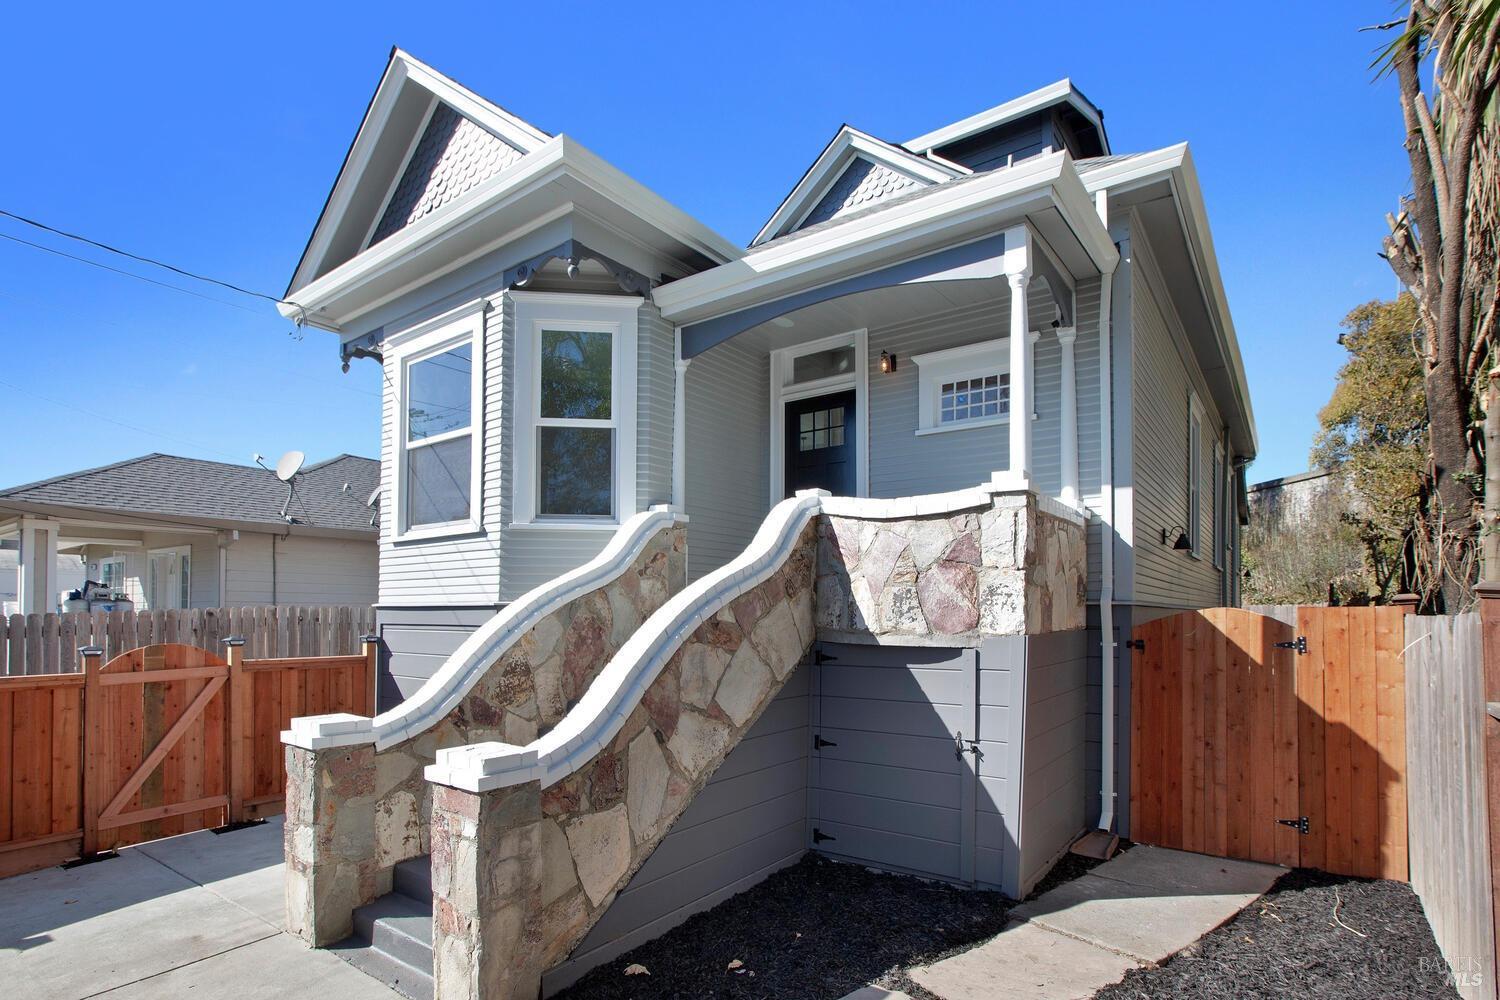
(947, 226)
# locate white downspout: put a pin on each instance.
(1106, 544)
(679, 424)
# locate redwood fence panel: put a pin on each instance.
(164, 738)
(48, 643)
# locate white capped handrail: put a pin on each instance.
(463, 669)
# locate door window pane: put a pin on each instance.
(576, 375)
(823, 364)
(437, 482)
(575, 471)
(439, 392)
(821, 429)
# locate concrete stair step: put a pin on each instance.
(414, 879)
(409, 981)
(399, 926)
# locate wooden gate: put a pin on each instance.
(156, 732)
(1258, 738)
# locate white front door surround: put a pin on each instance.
(785, 388)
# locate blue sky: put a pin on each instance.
(209, 135)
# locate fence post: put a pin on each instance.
(91, 747)
(1406, 602)
(369, 645)
(239, 728)
(1488, 592)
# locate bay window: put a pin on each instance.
(438, 432)
(575, 408)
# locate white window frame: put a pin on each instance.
(114, 560)
(781, 366)
(936, 368)
(425, 340)
(184, 596)
(1194, 524)
(613, 314)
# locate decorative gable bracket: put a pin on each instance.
(572, 251)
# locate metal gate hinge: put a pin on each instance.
(819, 836)
(1138, 644)
(1299, 644)
(819, 742)
(962, 746)
(821, 657)
(1300, 824)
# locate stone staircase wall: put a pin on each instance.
(355, 811)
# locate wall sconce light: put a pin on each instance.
(887, 362)
(1182, 543)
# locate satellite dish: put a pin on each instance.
(288, 464)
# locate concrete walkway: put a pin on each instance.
(194, 916)
(1138, 909)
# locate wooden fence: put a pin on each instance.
(48, 643)
(161, 740)
(1450, 852)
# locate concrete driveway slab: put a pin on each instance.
(72, 933)
(1143, 922)
(244, 866)
(246, 973)
(1025, 962)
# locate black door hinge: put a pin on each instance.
(1138, 644)
(821, 657)
(819, 836)
(1300, 824)
(819, 742)
(1299, 644)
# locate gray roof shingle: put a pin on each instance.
(168, 486)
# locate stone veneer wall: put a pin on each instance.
(521, 873)
(1010, 569)
(354, 812)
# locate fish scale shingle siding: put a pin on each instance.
(453, 157)
(861, 183)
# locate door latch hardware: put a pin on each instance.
(1299, 644)
(819, 742)
(821, 657)
(962, 746)
(1137, 644)
(819, 836)
(1300, 824)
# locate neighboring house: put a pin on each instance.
(1291, 499)
(69, 575)
(174, 532)
(563, 348)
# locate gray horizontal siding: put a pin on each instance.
(728, 425)
(416, 642)
(1053, 778)
(1164, 374)
(747, 822)
(1002, 662)
(655, 387)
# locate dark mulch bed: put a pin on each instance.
(815, 931)
(1288, 945)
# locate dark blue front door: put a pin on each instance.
(819, 445)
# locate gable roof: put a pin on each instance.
(409, 94)
(855, 169)
(1060, 93)
(217, 493)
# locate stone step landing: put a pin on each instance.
(392, 939)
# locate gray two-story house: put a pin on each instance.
(1005, 300)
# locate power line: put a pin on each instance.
(148, 260)
(128, 274)
(108, 419)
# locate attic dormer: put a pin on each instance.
(1054, 119)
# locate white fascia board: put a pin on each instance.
(1061, 91)
(516, 131)
(558, 158)
(842, 250)
(831, 163)
(1175, 165)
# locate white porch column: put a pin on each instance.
(1066, 335)
(36, 569)
(679, 428)
(1018, 272)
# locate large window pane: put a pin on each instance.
(575, 471)
(439, 391)
(576, 375)
(437, 482)
(823, 364)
